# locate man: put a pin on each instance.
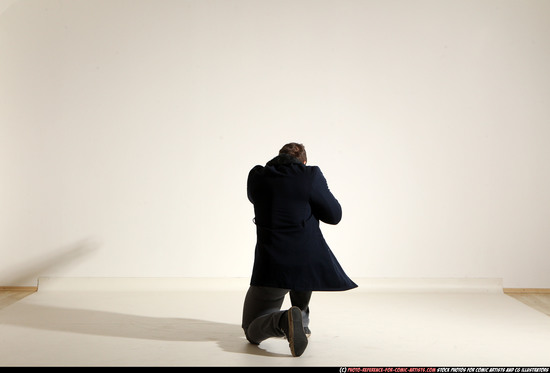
(291, 255)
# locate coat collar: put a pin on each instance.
(283, 159)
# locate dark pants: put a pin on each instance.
(262, 311)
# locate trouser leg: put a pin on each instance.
(301, 300)
(262, 312)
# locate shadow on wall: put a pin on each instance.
(229, 337)
(28, 272)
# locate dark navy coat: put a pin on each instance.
(289, 200)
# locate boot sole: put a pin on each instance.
(297, 337)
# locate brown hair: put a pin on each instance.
(295, 150)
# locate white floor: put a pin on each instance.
(196, 322)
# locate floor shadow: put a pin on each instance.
(229, 337)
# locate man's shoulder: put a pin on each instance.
(257, 168)
(314, 170)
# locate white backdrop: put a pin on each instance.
(128, 127)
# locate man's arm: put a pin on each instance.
(250, 182)
(324, 205)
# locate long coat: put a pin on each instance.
(289, 200)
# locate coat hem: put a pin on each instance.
(298, 288)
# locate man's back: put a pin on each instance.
(289, 200)
(280, 195)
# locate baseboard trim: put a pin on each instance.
(526, 290)
(505, 290)
(19, 288)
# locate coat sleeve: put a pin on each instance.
(250, 183)
(324, 205)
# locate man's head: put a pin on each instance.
(295, 150)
